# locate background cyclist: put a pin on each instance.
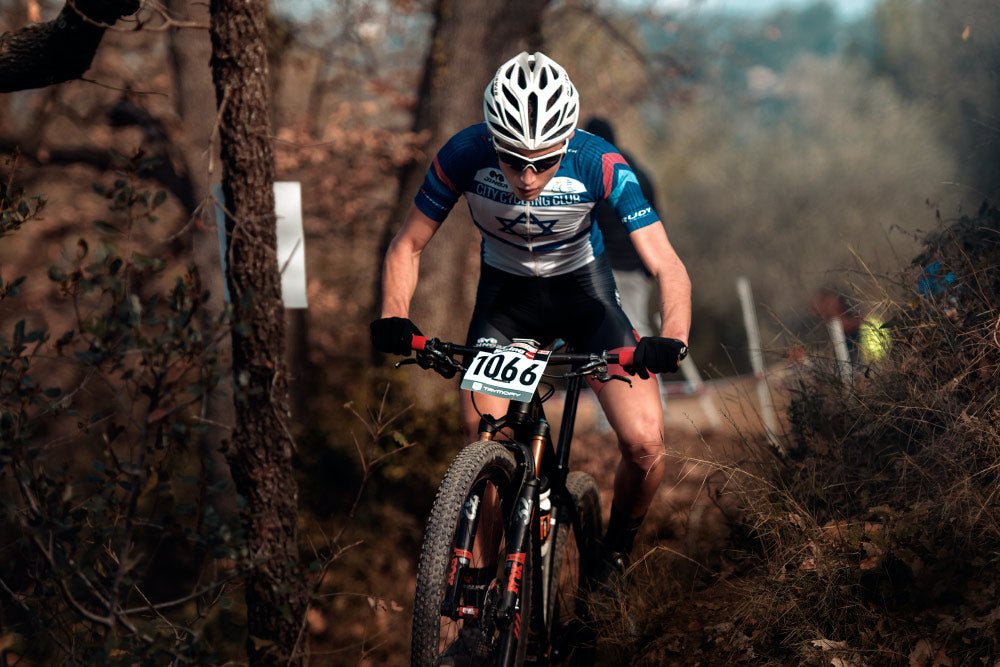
(531, 181)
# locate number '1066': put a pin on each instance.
(494, 368)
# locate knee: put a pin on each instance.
(642, 448)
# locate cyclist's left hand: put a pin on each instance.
(654, 354)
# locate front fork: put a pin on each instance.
(522, 519)
(461, 557)
(508, 616)
(509, 611)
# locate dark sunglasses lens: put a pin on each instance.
(517, 163)
(547, 163)
(520, 164)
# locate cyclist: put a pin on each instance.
(532, 180)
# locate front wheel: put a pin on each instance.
(460, 576)
(573, 558)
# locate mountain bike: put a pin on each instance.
(510, 582)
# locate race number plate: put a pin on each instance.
(510, 371)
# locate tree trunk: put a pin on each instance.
(471, 39)
(260, 455)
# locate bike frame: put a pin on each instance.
(531, 443)
(526, 434)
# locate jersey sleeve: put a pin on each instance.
(623, 193)
(449, 174)
(612, 179)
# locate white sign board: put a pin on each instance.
(291, 241)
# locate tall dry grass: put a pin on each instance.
(882, 530)
(876, 539)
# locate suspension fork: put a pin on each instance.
(523, 518)
(461, 558)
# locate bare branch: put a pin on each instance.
(60, 50)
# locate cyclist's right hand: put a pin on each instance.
(393, 335)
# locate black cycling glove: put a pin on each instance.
(393, 335)
(654, 354)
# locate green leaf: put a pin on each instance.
(34, 336)
(105, 227)
(18, 336)
(184, 509)
(141, 261)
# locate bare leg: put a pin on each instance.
(636, 415)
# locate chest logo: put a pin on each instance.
(528, 227)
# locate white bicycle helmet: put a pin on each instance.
(531, 103)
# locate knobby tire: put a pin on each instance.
(478, 465)
(573, 559)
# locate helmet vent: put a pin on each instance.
(567, 128)
(554, 99)
(532, 114)
(514, 123)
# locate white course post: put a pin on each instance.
(290, 241)
(757, 362)
(835, 326)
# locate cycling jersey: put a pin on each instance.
(551, 235)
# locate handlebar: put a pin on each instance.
(435, 354)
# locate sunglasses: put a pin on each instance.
(519, 163)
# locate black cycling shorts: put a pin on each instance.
(581, 307)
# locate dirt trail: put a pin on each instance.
(687, 521)
(689, 509)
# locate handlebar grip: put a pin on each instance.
(626, 356)
(419, 343)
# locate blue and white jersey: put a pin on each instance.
(554, 234)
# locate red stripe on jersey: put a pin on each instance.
(608, 162)
(440, 174)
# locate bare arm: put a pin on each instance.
(668, 271)
(401, 267)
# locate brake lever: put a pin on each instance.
(436, 360)
(597, 367)
(421, 360)
(602, 376)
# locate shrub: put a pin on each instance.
(117, 544)
(883, 529)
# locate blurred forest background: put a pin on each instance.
(800, 147)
